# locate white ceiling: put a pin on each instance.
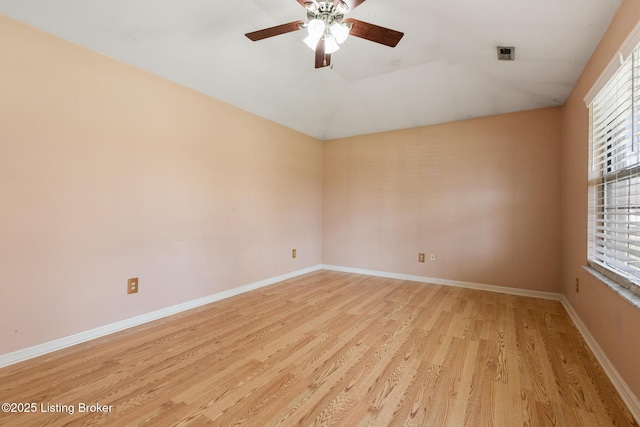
(444, 69)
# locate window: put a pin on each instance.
(614, 217)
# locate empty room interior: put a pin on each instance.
(427, 216)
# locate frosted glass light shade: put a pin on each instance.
(312, 41)
(339, 31)
(316, 27)
(342, 8)
(330, 44)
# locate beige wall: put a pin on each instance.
(107, 172)
(483, 195)
(613, 322)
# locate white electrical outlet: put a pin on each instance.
(432, 256)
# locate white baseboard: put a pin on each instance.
(444, 282)
(626, 394)
(59, 344)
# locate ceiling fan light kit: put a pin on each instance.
(327, 29)
(334, 34)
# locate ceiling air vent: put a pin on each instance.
(506, 53)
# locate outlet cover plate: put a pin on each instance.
(132, 286)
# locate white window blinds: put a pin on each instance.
(614, 238)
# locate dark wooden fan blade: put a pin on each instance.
(321, 58)
(274, 31)
(351, 3)
(375, 33)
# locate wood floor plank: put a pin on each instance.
(331, 348)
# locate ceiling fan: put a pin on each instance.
(328, 29)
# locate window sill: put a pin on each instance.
(626, 294)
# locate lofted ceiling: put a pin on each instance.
(444, 69)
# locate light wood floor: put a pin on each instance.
(332, 348)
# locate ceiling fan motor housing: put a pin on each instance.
(325, 12)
